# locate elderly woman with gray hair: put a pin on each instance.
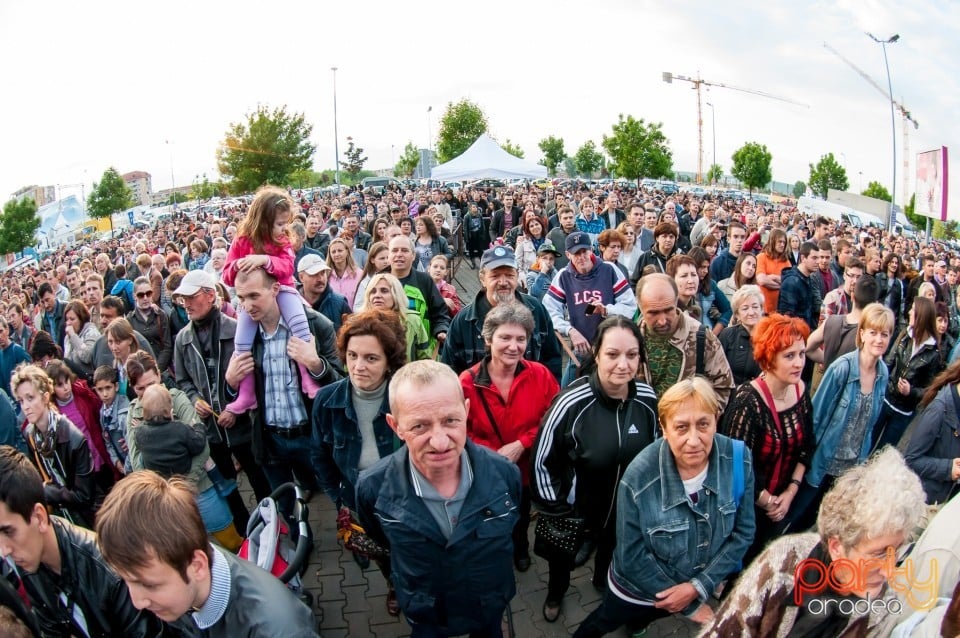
(747, 304)
(508, 398)
(832, 582)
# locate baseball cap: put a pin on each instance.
(193, 281)
(496, 257)
(312, 264)
(548, 247)
(577, 241)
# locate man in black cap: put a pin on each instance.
(583, 294)
(498, 284)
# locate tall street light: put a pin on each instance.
(429, 129)
(173, 185)
(893, 123)
(713, 127)
(336, 136)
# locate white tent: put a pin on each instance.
(485, 159)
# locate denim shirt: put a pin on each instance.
(663, 539)
(338, 442)
(833, 409)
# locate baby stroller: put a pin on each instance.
(270, 545)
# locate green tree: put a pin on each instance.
(18, 225)
(751, 165)
(110, 195)
(569, 167)
(205, 189)
(355, 159)
(945, 230)
(265, 149)
(827, 174)
(513, 149)
(553, 153)
(918, 221)
(408, 161)
(799, 189)
(304, 178)
(877, 191)
(714, 174)
(638, 149)
(460, 126)
(175, 198)
(587, 159)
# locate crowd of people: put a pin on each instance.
(705, 396)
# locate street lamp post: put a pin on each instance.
(173, 184)
(429, 130)
(713, 128)
(893, 123)
(336, 137)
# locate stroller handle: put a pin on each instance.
(301, 515)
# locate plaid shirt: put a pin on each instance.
(281, 388)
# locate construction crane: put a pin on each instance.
(697, 82)
(904, 113)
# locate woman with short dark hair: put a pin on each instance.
(350, 428)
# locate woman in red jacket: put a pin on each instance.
(508, 398)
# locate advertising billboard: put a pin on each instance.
(932, 180)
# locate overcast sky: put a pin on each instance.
(109, 83)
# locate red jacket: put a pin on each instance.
(518, 416)
(88, 403)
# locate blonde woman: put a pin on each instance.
(385, 292)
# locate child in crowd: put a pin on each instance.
(113, 414)
(262, 242)
(543, 272)
(439, 267)
(170, 448)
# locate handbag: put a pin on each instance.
(558, 538)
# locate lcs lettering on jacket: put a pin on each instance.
(587, 297)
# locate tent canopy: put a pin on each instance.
(485, 159)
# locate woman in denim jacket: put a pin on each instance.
(846, 406)
(685, 517)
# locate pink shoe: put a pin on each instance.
(310, 385)
(247, 397)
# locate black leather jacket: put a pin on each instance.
(919, 371)
(90, 586)
(70, 469)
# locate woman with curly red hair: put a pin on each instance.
(773, 415)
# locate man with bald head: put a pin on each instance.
(677, 346)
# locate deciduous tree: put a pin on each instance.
(553, 153)
(877, 191)
(799, 189)
(19, 225)
(265, 149)
(462, 123)
(513, 149)
(827, 174)
(110, 195)
(638, 149)
(408, 161)
(355, 159)
(714, 174)
(587, 159)
(751, 165)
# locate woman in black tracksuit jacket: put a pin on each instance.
(594, 428)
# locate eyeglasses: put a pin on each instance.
(144, 295)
